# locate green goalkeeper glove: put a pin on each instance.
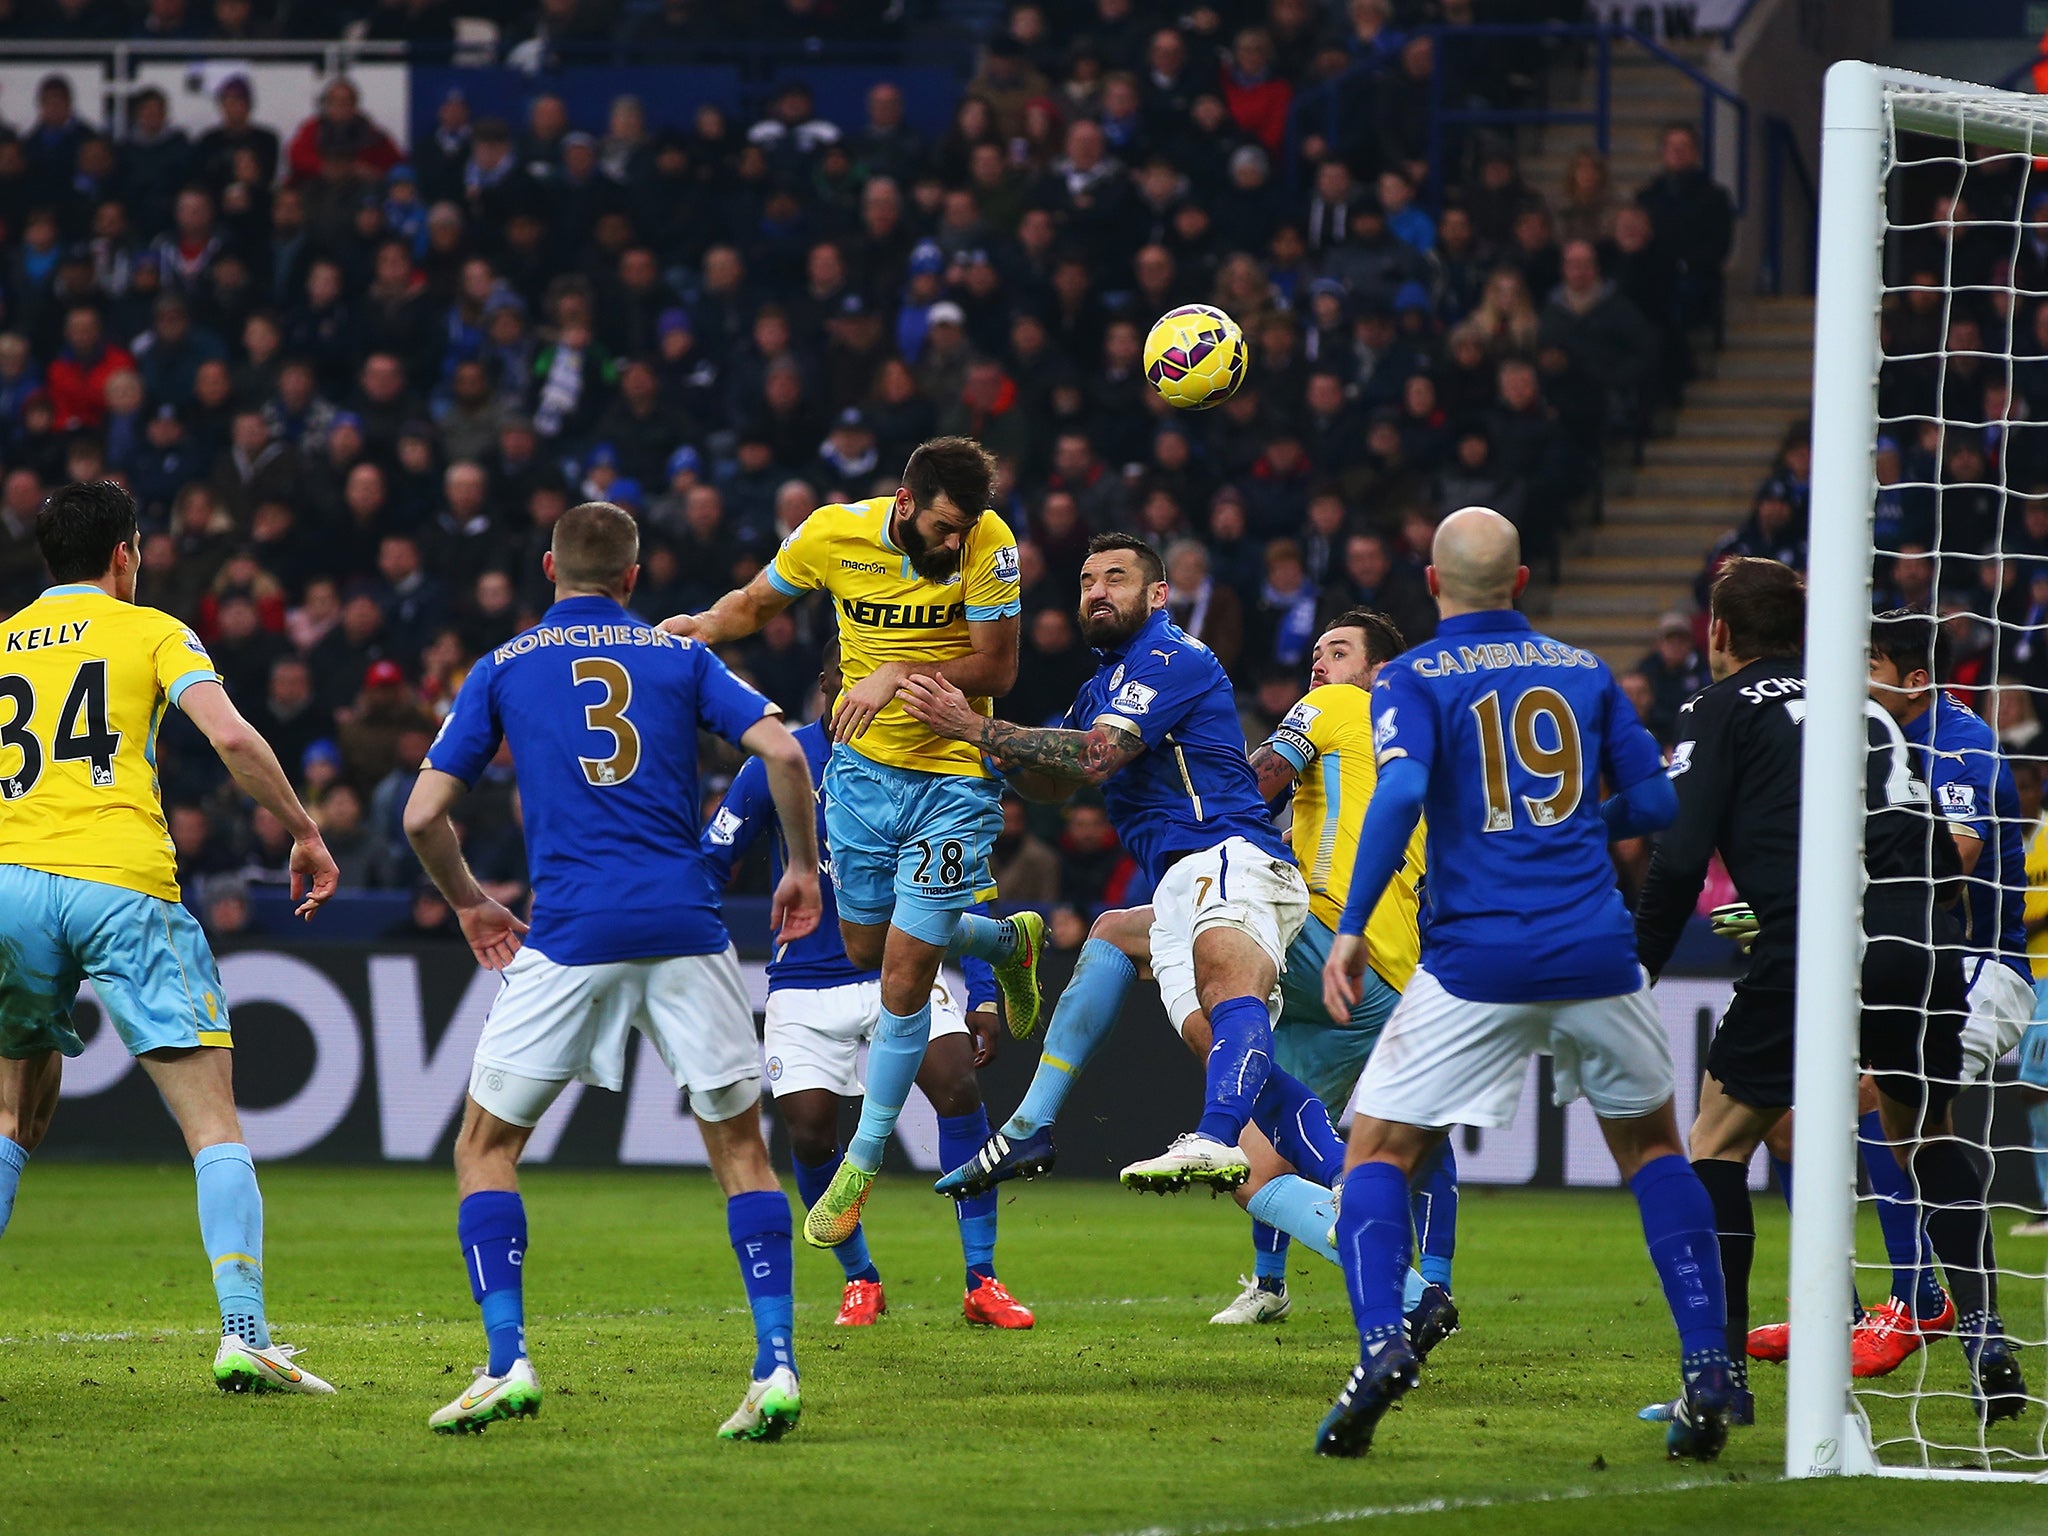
(1737, 922)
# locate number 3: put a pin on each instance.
(609, 715)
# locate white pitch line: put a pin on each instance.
(1419, 1507)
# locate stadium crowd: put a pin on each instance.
(352, 388)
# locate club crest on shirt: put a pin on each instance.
(1116, 678)
(1133, 698)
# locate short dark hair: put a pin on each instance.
(1911, 642)
(1383, 638)
(81, 525)
(958, 468)
(1763, 604)
(1148, 557)
(595, 544)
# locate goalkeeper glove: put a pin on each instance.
(1735, 921)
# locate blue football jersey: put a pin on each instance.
(602, 711)
(1973, 790)
(1193, 787)
(818, 959)
(1516, 730)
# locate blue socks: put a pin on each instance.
(894, 1055)
(758, 1223)
(1299, 1209)
(491, 1226)
(811, 1183)
(1084, 1017)
(1781, 1170)
(13, 1158)
(1434, 1202)
(231, 1226)
(1898, 1216)
(1298, 1125)
(960, 1137)
(1373, 1237)
(1240, 1058)
(1269, 1256)
(1678, 1226)
(993, 939)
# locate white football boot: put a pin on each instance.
(1255, 1304)
(241, 1367)
(1192, 1159)
(768, 1411)
(514, 1395)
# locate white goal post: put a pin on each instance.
(1867, 109)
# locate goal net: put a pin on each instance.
(1929, 494)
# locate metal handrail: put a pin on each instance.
(1728, 32)
(1599, 116)
(1782, 152)
(336, 53)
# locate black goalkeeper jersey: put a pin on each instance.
(1736, 770)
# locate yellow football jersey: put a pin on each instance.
(1328, 739)
(887, 612)
(2037, 898)
(84, 682)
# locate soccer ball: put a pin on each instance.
(1195, 357)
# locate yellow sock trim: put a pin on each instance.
(1046, 1058)
(231, 1258)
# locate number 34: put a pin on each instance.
(82, 733)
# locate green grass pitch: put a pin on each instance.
(1123, 1412)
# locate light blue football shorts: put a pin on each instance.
(2034, 1043)
(146, 958)
(1327, 1057)
(908, 847)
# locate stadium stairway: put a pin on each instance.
(1661, 516)
(1694, 483)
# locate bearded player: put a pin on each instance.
(821, 1007)
(1323, 752)
(925, 584)
(1156, 729)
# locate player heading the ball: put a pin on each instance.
(925, 584)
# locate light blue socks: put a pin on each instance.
(13, 1158)
(1085, 1017)
(231, 1226)
(894, 1055)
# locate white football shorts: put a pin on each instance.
(813, 1036)
(1444, 1060)
(553, 1022)
(1232, 885)
(2001, 1004)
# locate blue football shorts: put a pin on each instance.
(908, 847)
(1328, 1057)
(146, 958)
(2034, 1043)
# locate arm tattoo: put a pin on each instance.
(1088, 756)
(1276, 774)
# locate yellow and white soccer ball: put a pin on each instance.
(1195, 357)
